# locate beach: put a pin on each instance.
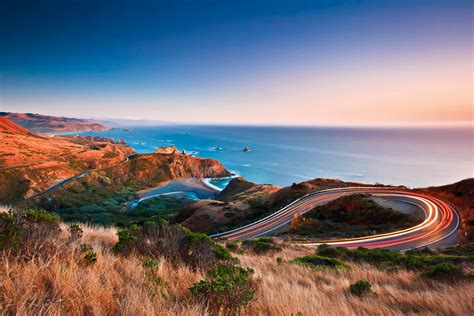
(195, 188)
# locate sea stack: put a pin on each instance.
(247, 149)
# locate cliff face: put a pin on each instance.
(151, 169)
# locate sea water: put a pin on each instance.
(415, 157)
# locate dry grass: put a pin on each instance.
(287, 288)
(118, 285)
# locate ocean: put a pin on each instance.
(415, 157)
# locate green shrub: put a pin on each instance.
(232, 246)
(86, 248)
(9, 233)
(227, 287)
(420, 252)
(175, 242)
(261, 245)
(333, 252)
(318, 262)
(360, 288)
(90, 257)
(75, 232)
(151, 264)
(41, 216)
(443, 270)
(29, 233)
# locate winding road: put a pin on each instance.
(77, 176)
(440, 222)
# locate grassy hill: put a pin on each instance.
(58, 269)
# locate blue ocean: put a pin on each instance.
(416, 157)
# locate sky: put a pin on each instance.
(240, 62)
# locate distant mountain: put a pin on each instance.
(8, 127)
(45, 124)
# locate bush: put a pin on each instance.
(444, 270)
(232, 246)
(29, 234)
(75, 232)
(360, 288)
(227, 287)
(86, 248)
(328, 251)
(315, 261)
(151, 264)
(177, 243)
(261, 245)
(90, 257)
(420, 252)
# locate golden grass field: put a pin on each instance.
(118, 285)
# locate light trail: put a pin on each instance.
(440, 220)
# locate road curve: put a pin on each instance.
(440, 221)
(77, 176)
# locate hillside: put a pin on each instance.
(461, 196)
(104, 196)
(45, 124)
(242, 202)
(30, 163)
(350, 216)
(107, 174)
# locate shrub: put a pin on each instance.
(75, 232)
(151, 264)
(226, 287)
(29, 233)
(315, 261)
(90, 257)
(9, 234)
(86, 248)
(420, 252)
(175, 242)
(360, 288)
(232, 246)
(443, 270)
(261, 245)
(333, 252)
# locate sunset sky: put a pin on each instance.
(251, 62)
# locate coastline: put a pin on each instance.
(198, 186)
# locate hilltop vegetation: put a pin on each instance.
(350, 216)
(156, 268)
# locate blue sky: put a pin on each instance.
(268, 62)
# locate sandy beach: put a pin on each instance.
(196, 186)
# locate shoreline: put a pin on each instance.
(198, 186)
